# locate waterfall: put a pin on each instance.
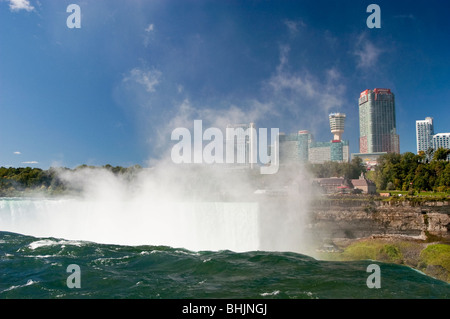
(195, 226)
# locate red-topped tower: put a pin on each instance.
(377, 125)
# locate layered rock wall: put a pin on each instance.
(348, 219)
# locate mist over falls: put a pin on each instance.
(197, 207)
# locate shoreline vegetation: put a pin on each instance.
(31, 182)
(430, 256)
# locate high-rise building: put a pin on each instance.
(377, 124)
(304, 140)
(441, 140)
(424, 134)
(335, 151)
(294, 147)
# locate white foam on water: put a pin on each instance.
(273, 293)
(29, 283)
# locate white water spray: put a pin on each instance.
(177, 208)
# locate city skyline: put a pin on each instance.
(112, 90)
(301, 147)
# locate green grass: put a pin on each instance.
(433, 260)
(421, 194)
(417, 198)
(436, 255)
(394, 192)
(375, 250)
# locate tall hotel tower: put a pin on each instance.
(424, 134)
(377, 128)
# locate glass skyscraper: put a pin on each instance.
(377, 125)
(321, 152)
(294, 147)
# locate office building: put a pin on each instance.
(294, 147)
(335, 151)
(424, 134)
(377, 123)
(441, 140)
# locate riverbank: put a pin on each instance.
(430, 255)
(410, 233)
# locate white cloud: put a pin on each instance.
(17, 153)
(17, 5)
(149, 79)
(293, 26)
(186, 112)
(302, 82)
(284, 54)
(304, 86)
(149, 28)
(306, 95)
(30, 162)
(149, 34)
(367, 53)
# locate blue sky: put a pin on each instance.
(112, 91)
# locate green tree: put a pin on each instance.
(422, 178)
(441, 154)
(429, 154)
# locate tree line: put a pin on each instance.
(426, 171)
(350, 170)
(14, 181)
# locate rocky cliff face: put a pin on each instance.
(343, 219)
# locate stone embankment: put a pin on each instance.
(353, 219)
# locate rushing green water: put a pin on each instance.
(33, 267)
